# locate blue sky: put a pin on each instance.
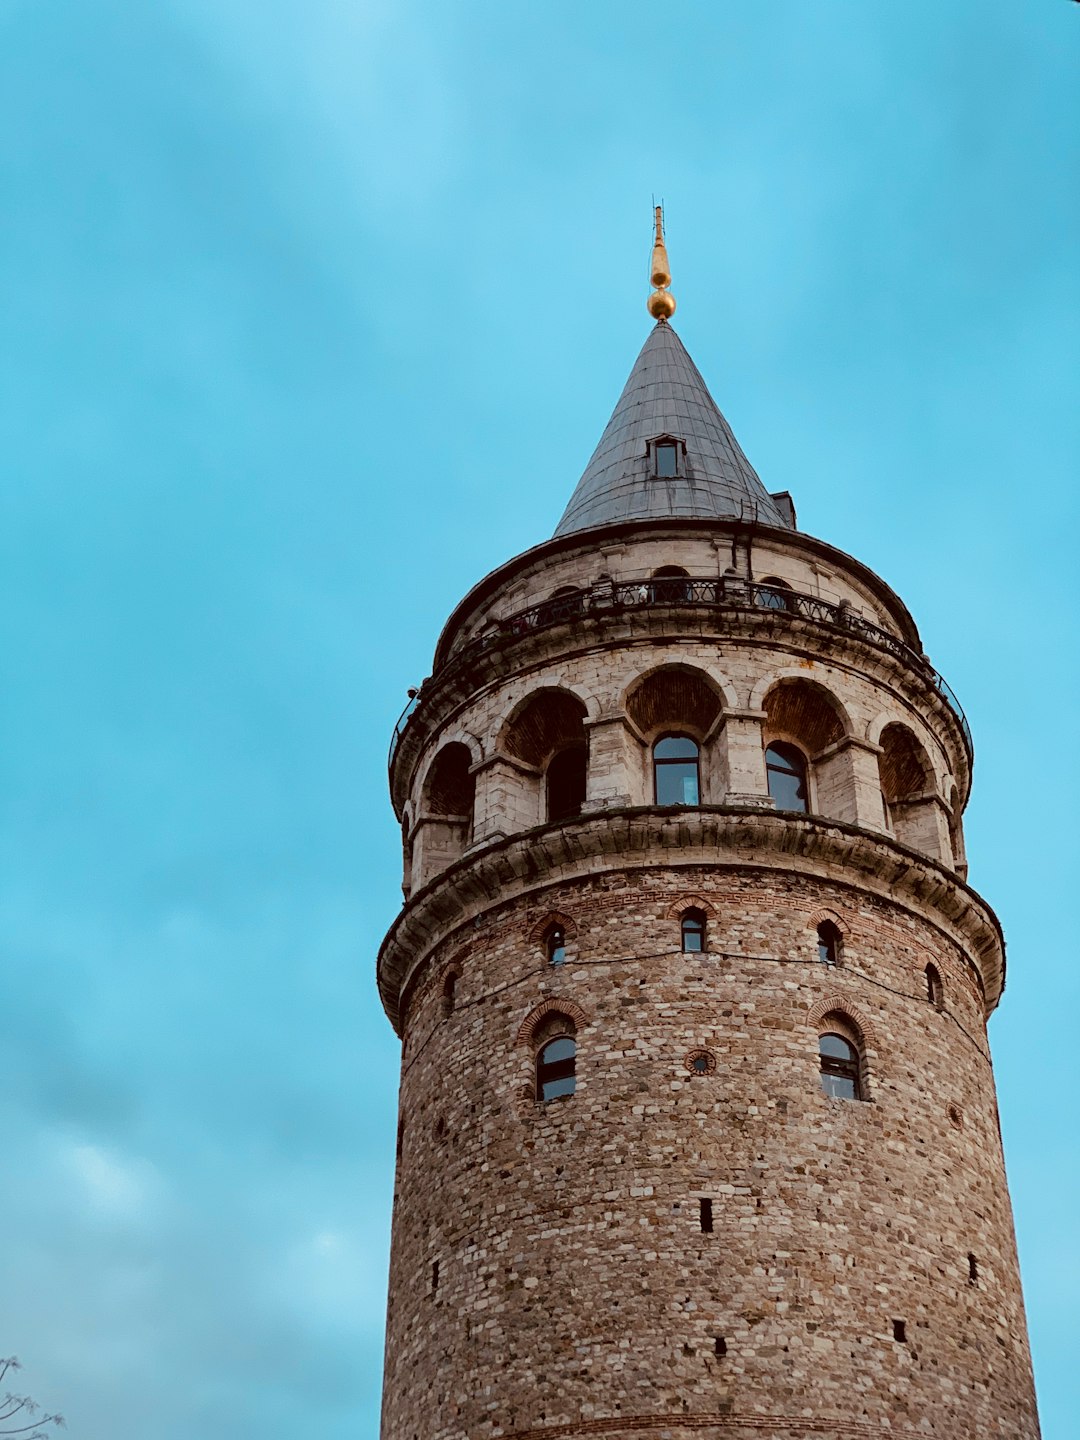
(311, 315)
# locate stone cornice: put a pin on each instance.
(724, 836)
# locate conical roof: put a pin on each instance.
(666, 396)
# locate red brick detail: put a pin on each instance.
(818, 917)
(836, 1001)
(691, 902)
(552, 918)
(538, 1013)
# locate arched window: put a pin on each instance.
(566, 783)
(935, 990)
(772, 593)
(785, 772)
(675, 771)
(555, 1068)
(555, 944)
(671, 585)
(449, 992)
(693, 931)
(839, 1067)
(829, 942)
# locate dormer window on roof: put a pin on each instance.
(666, 452)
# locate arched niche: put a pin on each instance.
(914, 812)
(546, 735)
(675, 707)
(804, 727)
(444, 824)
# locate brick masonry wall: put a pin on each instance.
(577, 1294)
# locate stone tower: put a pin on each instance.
(698, 1134)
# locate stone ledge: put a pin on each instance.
(725, 836)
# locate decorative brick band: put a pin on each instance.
(793, 1426)
(836, 1001)
(539, 1013)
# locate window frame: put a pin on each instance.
(779, 747)
(564, 1068)
(847, 1068)
(693, 921)
(662, 761)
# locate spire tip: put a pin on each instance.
(661, 303)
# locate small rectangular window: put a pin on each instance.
(899, 1332)
(706, 1217)
(667, 461)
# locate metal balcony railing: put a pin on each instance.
(728, 593)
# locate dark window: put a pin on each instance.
(667, 460)
(785, 772)
(566, 783)
(693, 930)
(899, 1331)
(839, 1067)
(828, 943)
(555, 1068)
(434, 1276)
(774, 594)
(720, 1345)
(700, 1063)
(556, 945)
(675, 770)
(935, 991)
(671, 585)
(706, 1217)
(973, 1269)
(449, 993)
(400, 1139)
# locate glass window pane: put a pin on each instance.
(842, 1087)
(676, 747)
(666, 461)
(552, 1089)
(563, 1048)
(786, 776)
(677, 782)
(836, 1047)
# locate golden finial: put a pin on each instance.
(661, 302)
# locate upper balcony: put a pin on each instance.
(724, 598)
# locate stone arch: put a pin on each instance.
(531, 1027)
(804, 711)
(541, 723)
(546, 732)
(676, 696)
(448, 983)
(912, 808)
(406, 850)
(445, 813)
(449, 786)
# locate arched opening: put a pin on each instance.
(449, 992)
(556, 1062)
(829, 943)
(450, 788)
(907, 786)
(446, 812)
(840, 1058)
(935, 990)
(547, 733)
(772, 593)
(670, 585)
(555, 945)
(804, 765)
(676, 771)
(693, 931)
(674, 711)
(786, 776)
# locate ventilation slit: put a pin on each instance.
(434, 1276)
(973, 1269)
(706, 1217)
